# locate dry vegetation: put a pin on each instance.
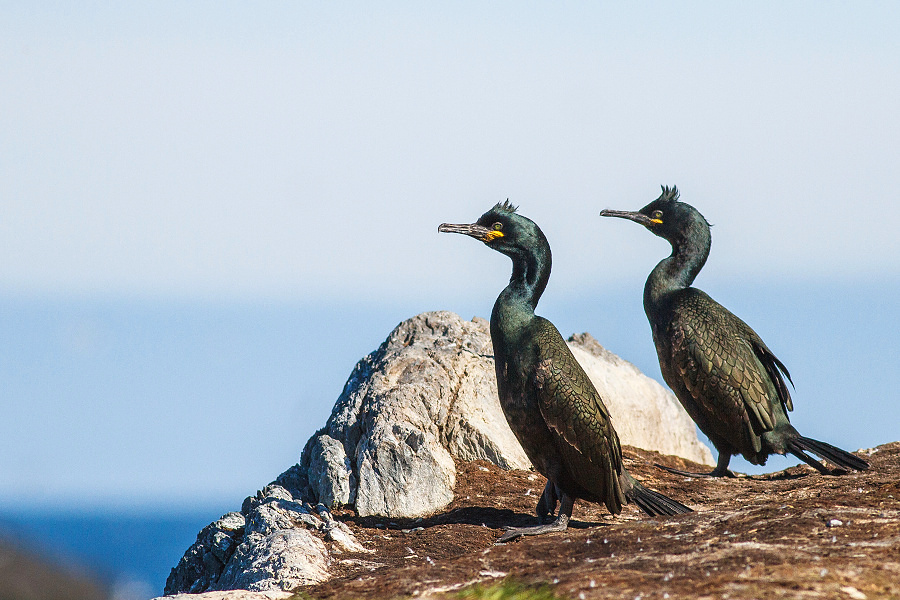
(791, 534)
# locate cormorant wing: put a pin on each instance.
(774, 367)
(574, 412)
(721, 368)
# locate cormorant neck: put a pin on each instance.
(531, 271)
(516, 303)
(690, 249)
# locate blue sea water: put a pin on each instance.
(131, 553)
(130, 425)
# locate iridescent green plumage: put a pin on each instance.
(549, 402)
(725, 376)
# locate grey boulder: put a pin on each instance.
(275, 543)
(428, 396)
(423, 398)
(231, 595)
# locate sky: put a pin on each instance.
(210, 211)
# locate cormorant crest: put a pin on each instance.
(505, 206)
(670, 194)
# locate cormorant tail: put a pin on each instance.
(653, 503)
(833, 454)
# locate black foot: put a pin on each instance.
(561, 523)
(714, 473)
(515, 532)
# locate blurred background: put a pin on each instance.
(210, 211)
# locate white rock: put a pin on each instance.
(230, 595)
(403, 472)
(276, 544)
(853, 592)
(330, 473)
(425, 397)
(340, 534)
(283, 560)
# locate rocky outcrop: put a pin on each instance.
(276, 542)
(232, 595)
(428, 395)
(426, 398)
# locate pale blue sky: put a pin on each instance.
(298, 149)
(171, 159)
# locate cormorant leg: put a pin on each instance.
(721, 469)
(566, 503)
(546, 506)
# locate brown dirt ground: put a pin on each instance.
(766, 536)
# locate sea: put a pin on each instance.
(130, 554)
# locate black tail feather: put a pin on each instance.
(797, 451)
(653, 503)
(833, 454)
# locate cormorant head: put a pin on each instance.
(504, 230)
(666, 216)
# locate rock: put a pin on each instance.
(424, 399)
(231, 595)
(200, 567)
(275, 543)
(333, 478)
(764, 536)
(428, 395)
(282, 560)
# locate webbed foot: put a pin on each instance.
(560, 524)
(721, 469)
(566, 503)
(714, 473)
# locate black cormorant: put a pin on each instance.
(725, 376)
(549, 402)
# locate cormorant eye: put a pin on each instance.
(498, 226)
(657, 215)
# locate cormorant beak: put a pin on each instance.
(479, 232)
(635, 216)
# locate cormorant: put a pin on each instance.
(549, 402)
(725, 376)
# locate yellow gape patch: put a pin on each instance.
(656, 221)
(490, 236)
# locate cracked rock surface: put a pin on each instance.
(276, 543)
